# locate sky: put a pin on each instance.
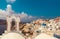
(46, 8)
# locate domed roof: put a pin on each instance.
(44, 36)
(12, 36)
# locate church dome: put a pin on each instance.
(44, 36)
(12, 36)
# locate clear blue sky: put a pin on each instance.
(47, 8)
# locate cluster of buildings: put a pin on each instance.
(48, 27)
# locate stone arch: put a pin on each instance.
(10, 19)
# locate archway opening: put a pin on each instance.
(13, 24)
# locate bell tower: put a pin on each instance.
(9, 21)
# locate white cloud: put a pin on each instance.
(26, 18)
(2, 14)
(10, 1)
(23, 16)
